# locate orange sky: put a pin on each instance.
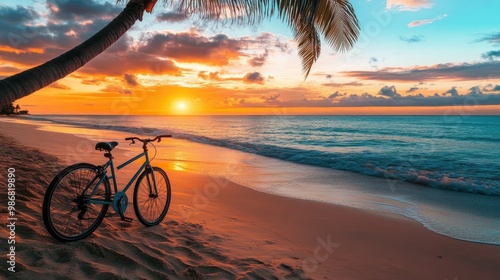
(178, 100)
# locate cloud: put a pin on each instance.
(14, 36)
(171, 17)
(408, 5)
(45, 35)
(49, 33)
(123, 62)
(271, 99)
(259, 60)
(493, 38)
(416, 23)
(217, 50)
(420, 100)
(491, 55)
(373, 62)
(369, 100)
(417, 87)
(224, 77)
(389, 92)
(254, 77)
(335, 95)
(270, 40)
(131, 79)
(49, 41)
(59, 86)
(75, 10)
(491, 88)
(214, 76)
(451, 92)
(94, 81)
(249, 78)
(463, 71)
(339, 85)
(412, 89)
(28, 57)
(116, 89)
(193, 47)
(412, 39)
(303, 97)
(18, 14)
(9, 69)
(475, 91)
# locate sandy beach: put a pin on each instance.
(217, 229)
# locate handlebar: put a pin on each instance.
(144, 141)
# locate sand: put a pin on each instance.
(216, 229)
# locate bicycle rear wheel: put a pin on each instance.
(151, 205)
(67, 213)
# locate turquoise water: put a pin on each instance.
(460, 153)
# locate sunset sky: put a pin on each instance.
(413, 57)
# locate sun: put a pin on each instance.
(181, 105)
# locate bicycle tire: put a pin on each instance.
(151, 208)
(61, 202)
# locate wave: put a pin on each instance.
(415, 170)
(407, 134)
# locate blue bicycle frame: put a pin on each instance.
(103, 175)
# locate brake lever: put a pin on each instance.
(133, 142)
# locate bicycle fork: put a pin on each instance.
(153, 191)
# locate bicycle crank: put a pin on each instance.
(120, 203)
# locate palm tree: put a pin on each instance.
(335, 20)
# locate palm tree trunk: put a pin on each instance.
(31, 80)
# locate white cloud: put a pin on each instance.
(408, 5)
(416, 23)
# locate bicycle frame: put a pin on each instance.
(103, 175)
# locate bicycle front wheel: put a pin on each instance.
(150, 203)
(67, 212)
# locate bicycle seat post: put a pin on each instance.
(108, 155)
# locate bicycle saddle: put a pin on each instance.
(106, 146)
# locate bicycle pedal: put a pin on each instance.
(127, 219)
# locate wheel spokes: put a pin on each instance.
(69, 212)
(151, 203)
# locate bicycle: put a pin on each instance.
(78, 198)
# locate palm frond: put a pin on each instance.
(308, 43)
(341, 28)
(236, 11)
(334, 20)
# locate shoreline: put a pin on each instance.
(241, 231)
(444, 183)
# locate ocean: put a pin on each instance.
(452, 163)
